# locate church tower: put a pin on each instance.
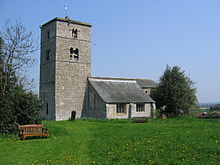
(65, 65)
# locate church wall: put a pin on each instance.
(63, 75)
(47, 72)
(111, 112)
(146, 113)
(97, 107)
(71, 73)
(153, 110)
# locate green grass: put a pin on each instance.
(118, 142)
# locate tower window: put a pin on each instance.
(74, 53)
(48, 54)
(47, 108)
(74, 33)
(48, 34)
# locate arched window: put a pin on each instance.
(71, 50)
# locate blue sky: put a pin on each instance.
(138, 38)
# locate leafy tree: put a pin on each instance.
(175, 93)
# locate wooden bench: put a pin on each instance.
(139, 119)
(32, 130)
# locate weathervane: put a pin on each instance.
(65, 9)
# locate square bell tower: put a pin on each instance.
(65, 65)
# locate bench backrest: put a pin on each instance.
(32, 128)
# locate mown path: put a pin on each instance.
(68, 144)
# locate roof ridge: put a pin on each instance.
(118, 78)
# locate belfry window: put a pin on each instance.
(74, 33)
(74, 53)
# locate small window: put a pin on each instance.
(48, 54)
(140, 108)
(48, 34)
(74, 33)
(47, 109)
(121, 108)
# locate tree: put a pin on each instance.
(175, 93)
(17, 106)
(17, 50)
(215, 107)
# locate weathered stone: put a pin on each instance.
(63, 78)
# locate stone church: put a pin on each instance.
(66, 85)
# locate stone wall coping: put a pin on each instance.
(68, 21)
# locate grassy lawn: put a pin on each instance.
(118, 142)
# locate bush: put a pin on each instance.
(20, 107)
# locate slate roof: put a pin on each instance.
(146, 83)
(119, 91)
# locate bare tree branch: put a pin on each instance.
(18, 47)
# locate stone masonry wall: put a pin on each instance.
(47, 71)
(71, 74)
(97, 107)
(111, 111)
(146, 113)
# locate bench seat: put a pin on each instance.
(32, 130)
(140, 119)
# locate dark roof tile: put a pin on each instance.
(119, 91)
